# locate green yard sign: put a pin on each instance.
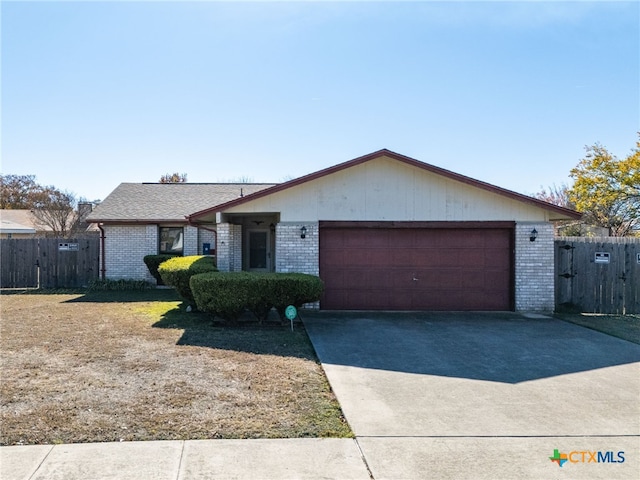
(291, 312)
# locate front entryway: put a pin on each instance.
(259, 251)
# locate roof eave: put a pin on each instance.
(121, 221)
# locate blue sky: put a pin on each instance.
(98, 93)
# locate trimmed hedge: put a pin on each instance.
(294, 289)
(153, 262)
(222, 294)
(177, 271)
(228, 295)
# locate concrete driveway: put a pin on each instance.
(467, 395)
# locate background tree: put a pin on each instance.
(173, 178)
(56, 209)
(49, 206)
(559, 195)
(607, 189)
(18, 191)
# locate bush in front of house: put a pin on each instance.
(223, 295)
(153, 262)
(294, 289)
(177, 271)
(228, 295)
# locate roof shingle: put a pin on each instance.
(167, 201)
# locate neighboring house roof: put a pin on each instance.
(23, 219)
(26, 218)
(555, 211)
(7, 226)
(167, 202)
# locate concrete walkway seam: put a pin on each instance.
(364, 459)
(44, 459)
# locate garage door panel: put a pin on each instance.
(455, 269)
(401, 257)
(499, 238)
(335, 279)
(495, 258)
(333, 239)
(472, 257)
(333, 257)
(399, 278)
(364, 239)
(334, 299)
(472, 279)
(437, 299)
(365, 257)
(356, 278)
(495, 280)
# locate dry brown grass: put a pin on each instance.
(134, 366)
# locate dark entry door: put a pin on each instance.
(259, 254)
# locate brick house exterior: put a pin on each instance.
(414, 234)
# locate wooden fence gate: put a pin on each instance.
(598, 275)
(48, 262)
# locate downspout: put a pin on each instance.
(103, 263)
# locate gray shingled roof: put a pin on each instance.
(157, 202)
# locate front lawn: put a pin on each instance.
(135, 366)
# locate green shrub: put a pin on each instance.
(295, 289)
(177, 271)
(227, 295)
(260, 295)
(224, 295)
(153, 262)
(121, 285)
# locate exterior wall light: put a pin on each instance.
(533, 235)
(303, 232)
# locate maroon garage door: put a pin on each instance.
(408, 268)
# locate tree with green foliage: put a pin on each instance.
(607, 190)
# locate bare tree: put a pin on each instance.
(56, 210)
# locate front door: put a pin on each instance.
(259, 251)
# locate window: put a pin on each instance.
(171, 240)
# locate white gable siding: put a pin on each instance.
(385, 189)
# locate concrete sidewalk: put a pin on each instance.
(308, 458)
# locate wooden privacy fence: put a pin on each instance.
(48, 262)
(598, 275)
